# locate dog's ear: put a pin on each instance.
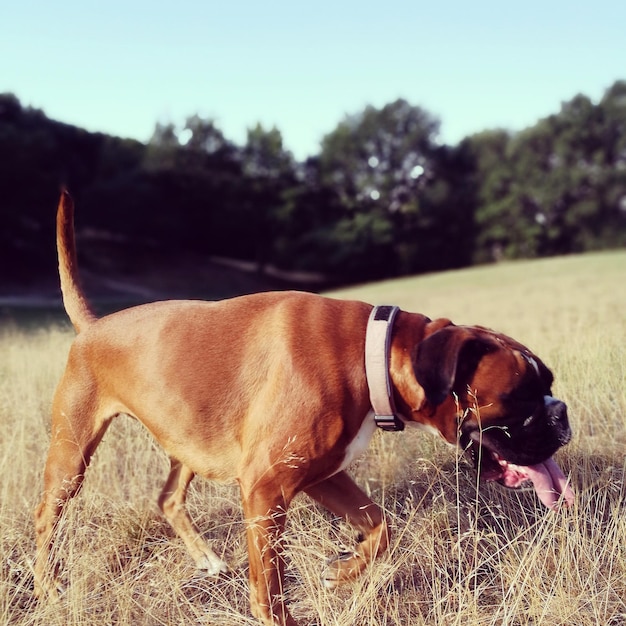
(445, 361)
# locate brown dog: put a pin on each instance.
(271, 390)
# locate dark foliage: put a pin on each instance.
(382, 198)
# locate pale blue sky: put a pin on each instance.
(121, 66)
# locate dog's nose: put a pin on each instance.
(555, 408)
(557, 416)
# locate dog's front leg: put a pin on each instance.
(340, 495)
(265, 512)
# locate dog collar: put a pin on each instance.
(377, 344)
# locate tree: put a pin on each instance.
(557, 187)
(380, 155)
(264, 155)
(493, 175)
(568, 176)
(400, 190)
(269, 170)
(162, 148)
(306, 221)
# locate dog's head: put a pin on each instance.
(499, 392)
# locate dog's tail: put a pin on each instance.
(78, 309)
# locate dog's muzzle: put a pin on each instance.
(522, 442)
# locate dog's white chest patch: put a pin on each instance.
(360, 442)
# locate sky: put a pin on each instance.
(119, 67)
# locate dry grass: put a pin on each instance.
(460, 555)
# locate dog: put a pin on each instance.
(280, 392)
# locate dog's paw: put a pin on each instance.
(342, 568)
(212, 565)
(51, 593)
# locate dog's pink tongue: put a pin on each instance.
(550, 484)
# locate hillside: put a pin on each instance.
(461, 554)
(540, 297)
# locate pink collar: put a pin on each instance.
(377, 346)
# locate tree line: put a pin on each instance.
(383, 197)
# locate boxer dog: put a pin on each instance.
(280, 392)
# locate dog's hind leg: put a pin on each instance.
(340, 495)
(72, 444)
(172, 504)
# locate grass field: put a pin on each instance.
(459, 555)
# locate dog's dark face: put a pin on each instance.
(501, 396)
(526, 434)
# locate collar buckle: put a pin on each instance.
(390, 423)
